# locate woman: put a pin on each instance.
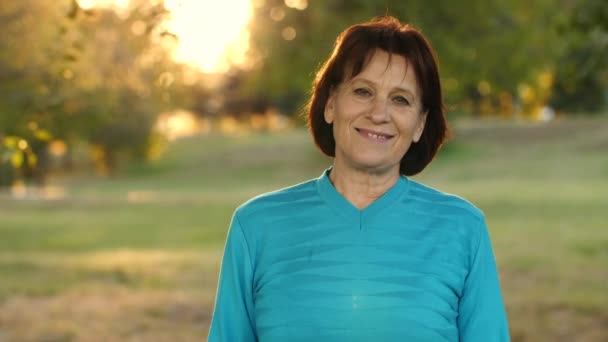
(363, 253)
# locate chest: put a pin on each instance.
(401, 280)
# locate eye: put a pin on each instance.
(401, 100)
(362, 92)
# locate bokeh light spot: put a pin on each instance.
(297, 4)
(277, 13)
(289, 33)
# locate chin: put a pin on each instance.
(376, 166)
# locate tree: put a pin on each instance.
(81, 75)
(582, 76)
(486, 48)
(120, 83)
(28, 73)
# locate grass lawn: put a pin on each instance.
(135, 258)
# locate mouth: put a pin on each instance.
(374, 135)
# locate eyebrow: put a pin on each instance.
(365, 80)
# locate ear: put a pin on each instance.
(330, 108)
(420, 127)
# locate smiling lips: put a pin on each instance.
(374, 135)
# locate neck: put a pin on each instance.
(361, 187)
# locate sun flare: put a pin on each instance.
(211, 34)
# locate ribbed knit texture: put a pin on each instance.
(304, 264)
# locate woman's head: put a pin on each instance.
(355, 48)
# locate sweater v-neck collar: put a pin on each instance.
(335, 199)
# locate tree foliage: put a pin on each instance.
(73, 75)
(100, 78)
(494, 55)
(582, 69)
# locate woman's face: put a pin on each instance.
(376, 115)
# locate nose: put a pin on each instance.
(379, 113)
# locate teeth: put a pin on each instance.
(376, 136)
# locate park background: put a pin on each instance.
(131, 130)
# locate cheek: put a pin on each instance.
(342, 118)
(341, 132)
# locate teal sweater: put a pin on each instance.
(304, 264)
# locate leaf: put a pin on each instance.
(91, 13)
(70, 57)
(17, 159)
(43, 135)
(32, 160)
(166, 33)
(74, 9)
(10, 142)
(76, 45)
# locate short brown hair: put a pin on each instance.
(353, 50)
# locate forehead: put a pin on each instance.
(388, 70)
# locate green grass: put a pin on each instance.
(136, 257)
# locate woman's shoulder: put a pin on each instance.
(443, 201)
(276, 199)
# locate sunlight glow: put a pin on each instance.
(88, 4)
(212, 34)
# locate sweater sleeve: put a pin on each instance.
(482, 314)
(233, 315)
